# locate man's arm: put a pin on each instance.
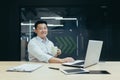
(58, 60)
(35, 50)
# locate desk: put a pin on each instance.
(44, 73)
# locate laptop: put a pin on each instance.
(92, 55)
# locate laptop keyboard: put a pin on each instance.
(79, 63)
(25, 67)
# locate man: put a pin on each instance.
(40, 48)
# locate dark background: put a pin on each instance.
(10, 25)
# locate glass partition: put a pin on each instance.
(66, 27)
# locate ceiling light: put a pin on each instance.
(51, 17)
(27, 24)
(55, 25)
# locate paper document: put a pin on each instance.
(74, 71)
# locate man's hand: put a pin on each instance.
(58, 52)
(68, 59)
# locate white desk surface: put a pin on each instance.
(44, 73)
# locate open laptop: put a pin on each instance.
(92, 55)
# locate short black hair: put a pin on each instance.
(40, 22)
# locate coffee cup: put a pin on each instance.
(54, 50)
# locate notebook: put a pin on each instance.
(92, 55)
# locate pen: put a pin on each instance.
(53, 68)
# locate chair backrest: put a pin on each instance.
(24, 52)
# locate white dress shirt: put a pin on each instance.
(39, 49)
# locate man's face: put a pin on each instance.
(41, 30)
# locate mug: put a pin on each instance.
(54, 50)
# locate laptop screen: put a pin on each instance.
(93, 52)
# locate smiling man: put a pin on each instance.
(40, 48)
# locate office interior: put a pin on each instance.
(85, 20)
